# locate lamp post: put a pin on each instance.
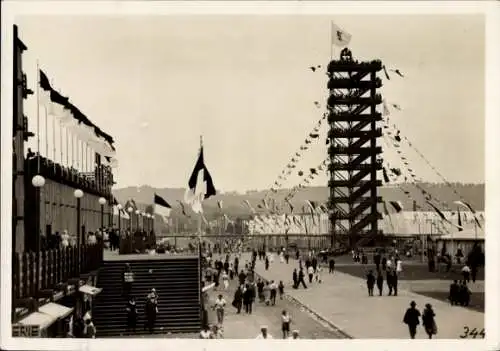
(119, 208)
(78, 194)
(38, 182)
(129, 210)
(102, 202)
(137, 214)
(143, 214)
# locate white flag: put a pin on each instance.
(340, 37)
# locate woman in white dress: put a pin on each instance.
(282, 257)
(399, 267)
(225, 280)
(317, 274)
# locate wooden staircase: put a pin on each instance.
(177, 282)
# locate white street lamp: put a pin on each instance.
(102, 202)
(38, 181)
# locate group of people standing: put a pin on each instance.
(150, 306)
(311, 267)
(392, 268)
(459, 293)
(391, 279)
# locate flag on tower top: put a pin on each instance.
(200, 185)
(162, 207)
(340, 37)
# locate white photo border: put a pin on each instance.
(490, 9)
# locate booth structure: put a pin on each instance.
(464, 240)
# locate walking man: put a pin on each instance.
(411, 319)
(219, 306)
(370, 282)
(301, 279)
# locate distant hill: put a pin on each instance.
(234, 207)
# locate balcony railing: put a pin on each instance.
(99, 185)
(56, 266)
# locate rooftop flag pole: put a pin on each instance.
(331, 40)
(38, 115)
(200, 213)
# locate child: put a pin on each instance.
(281, 289)
(317, 275)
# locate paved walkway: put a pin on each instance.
(247, 326)
(343, 300)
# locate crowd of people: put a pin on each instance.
(249, 291)
(108, 236)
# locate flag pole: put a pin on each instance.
(331, 40)
(200, 214)
(38, 115)
(475, 227)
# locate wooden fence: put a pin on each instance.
(55, 266)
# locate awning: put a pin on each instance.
(89, 290)
(39, 319)
(56, 310)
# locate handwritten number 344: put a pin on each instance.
(472, 333)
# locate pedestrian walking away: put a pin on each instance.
(281, 289)
(331, 266)
(274, 291)
(370, 282)
(411, 319)
(301, 279)
(429, 321)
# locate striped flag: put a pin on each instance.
(312, 205)
(162, 207)
(469, 207)
(200, 184)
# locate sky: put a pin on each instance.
(243, 82)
